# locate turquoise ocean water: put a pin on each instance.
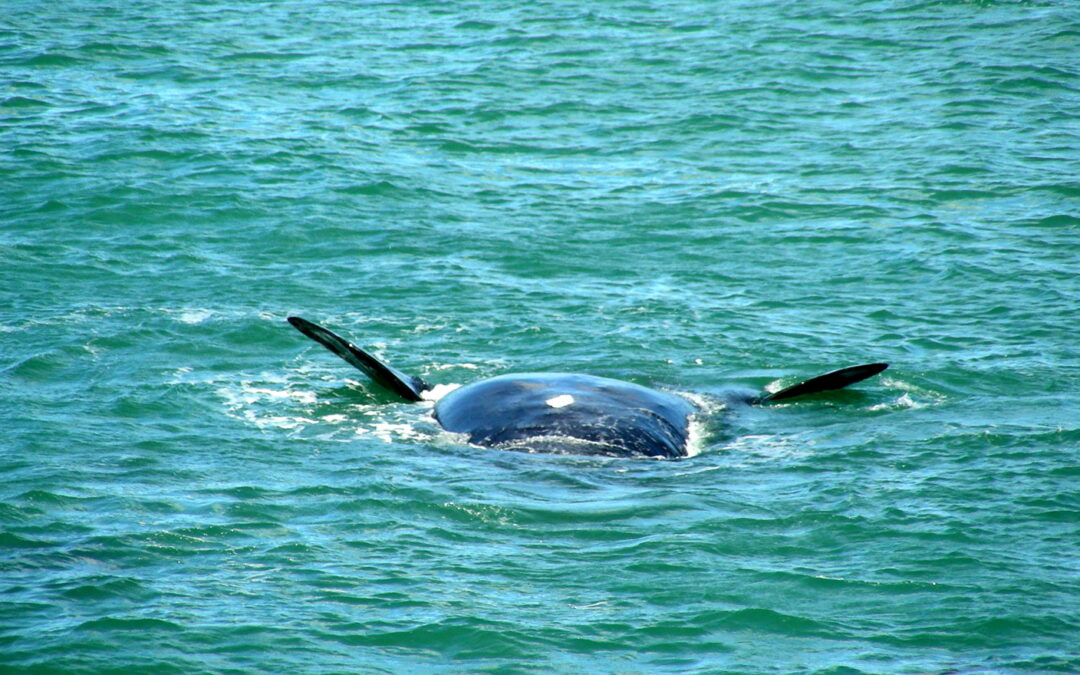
(692, 195)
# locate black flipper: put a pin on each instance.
(837, 379)
(407, 387)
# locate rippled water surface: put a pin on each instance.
(692, 195)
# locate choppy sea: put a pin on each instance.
(689, 195)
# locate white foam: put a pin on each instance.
(695, 437)
(454, 366)
(905, 401)
(257, 405)
(438, 391)
(392, 431)
(195, 316)
(253, 394)
(756, 448)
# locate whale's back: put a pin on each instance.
(560, 412)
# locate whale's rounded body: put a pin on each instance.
(573, 413)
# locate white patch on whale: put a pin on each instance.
(560, 401)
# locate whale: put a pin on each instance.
(564, 413)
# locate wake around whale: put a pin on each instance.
(563, 412)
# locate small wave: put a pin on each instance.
(460, 637)
(105, 587)
(12, 541)
(140, 624)
(266, 56)
(53, 59)
(23, 102)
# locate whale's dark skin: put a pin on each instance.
(563, 412)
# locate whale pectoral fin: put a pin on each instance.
(406, 386)
(837, 379)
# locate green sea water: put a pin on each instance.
(690, 195)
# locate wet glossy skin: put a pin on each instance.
(559, 412)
